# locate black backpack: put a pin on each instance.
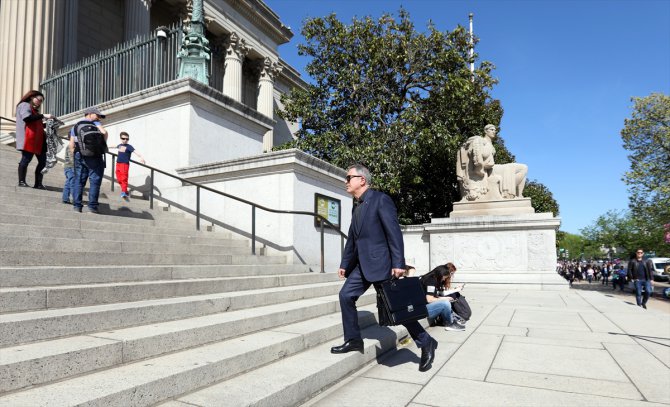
(90, 140)
(461, 306)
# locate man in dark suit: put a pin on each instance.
(373, 253)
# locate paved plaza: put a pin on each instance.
(528, 348)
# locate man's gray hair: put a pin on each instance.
(362, 170)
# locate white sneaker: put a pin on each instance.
(454, 326)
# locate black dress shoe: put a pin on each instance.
(427, 356)
(348, 346)
(23, 184)
(40, 186)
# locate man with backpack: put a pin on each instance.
(88, 145)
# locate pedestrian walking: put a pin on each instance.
(123, 163)
(30, 136)
(88, 167)
(374, 253)
(641, 272)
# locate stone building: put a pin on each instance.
(123, 56)
(41, 37)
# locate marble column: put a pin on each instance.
(265, 104)
(236, 50)
(31, 46)
(137, 18)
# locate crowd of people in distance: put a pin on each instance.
(638, 271)
(593, 271)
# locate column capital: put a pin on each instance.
(269, 69)
(236, 47)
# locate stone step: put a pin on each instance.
(49, 275)
(294, 379)
(102, 223)
(46, 297)
(43, 362)
(120, 215)
(13, 258)
(52, 191)
(54, 183)
(147, 382)
(53, 200)
(144, 235)
(27, 327)
(119, 247)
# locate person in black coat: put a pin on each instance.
(641, 273)
(374, 253)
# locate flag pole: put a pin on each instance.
(472, 49)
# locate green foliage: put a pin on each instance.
(540, 197)
(622, 233)
(574, 247)
(646, 135)
(400, 101)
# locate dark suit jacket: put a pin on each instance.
(375, 242)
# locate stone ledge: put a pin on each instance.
(494, 222)
(518, 206)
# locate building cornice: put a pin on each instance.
(291, 160)
(291, 76)
(258, 13)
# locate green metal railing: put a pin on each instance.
(142, 63)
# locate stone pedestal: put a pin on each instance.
(498, 250)
(518, 206)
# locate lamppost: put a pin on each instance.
(195, 53)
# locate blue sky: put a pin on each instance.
(567, 70)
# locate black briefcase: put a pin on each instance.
(400, 301)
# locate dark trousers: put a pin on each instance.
(355, 286)
(620, 282)
(27, 157)
(642, 296)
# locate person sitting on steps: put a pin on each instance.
(434, 283)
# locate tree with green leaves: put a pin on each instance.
(398, 100)
(614, 231)
(646, 136)
(572, 247)
(540, 197)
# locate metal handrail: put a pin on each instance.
(6, 118)
(253, 205)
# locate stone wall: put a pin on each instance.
(100, 26)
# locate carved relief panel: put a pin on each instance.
(480, 252)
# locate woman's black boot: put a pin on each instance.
(22, 176)
(38, 181)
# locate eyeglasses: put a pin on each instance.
(349, 177)
(639, 252)
(124, 139)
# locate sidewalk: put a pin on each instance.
(528, 348)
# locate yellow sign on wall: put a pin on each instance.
(329, 208)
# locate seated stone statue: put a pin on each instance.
(480, 178)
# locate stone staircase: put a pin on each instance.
(134, 307)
